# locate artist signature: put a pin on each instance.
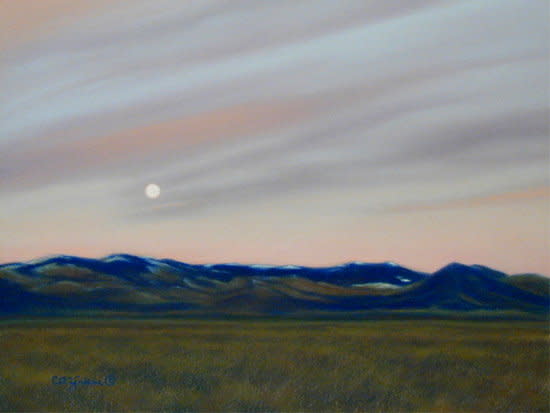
(75, 381)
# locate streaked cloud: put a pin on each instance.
(488, 200)
(333, 109)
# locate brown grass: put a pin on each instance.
(163, 365)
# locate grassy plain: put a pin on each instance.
(270, 365)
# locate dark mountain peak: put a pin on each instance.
(137, 283)
(454, 266)
(57, 259)
(119, 256)
(456, 269)
(356, 264)
(126, 258)
(370, 264)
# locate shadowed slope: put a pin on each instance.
(130, 283)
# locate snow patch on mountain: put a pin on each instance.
(377, 285)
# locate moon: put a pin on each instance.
(152, 191)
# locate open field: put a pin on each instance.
(276, 365)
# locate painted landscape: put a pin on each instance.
(125, 284)
(275, 366)
(130, 333)
(293, 206)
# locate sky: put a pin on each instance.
(282, 132)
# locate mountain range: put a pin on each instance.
(125, 283)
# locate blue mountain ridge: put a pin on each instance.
(123, 282)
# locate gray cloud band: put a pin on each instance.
(396, 93)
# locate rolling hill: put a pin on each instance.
(125, 283)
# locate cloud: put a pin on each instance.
(480, 201)
(360, 106)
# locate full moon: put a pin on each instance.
(152, 191)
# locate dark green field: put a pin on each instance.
(186, 365)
